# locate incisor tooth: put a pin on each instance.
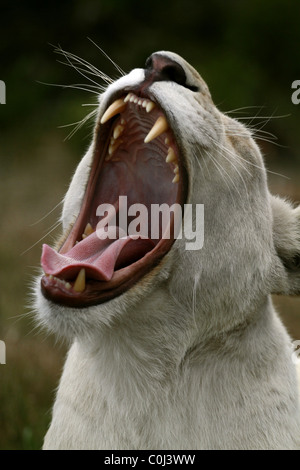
(79, 284)
(171, 157)
(127, 98)
(160, 126)
(115, 108)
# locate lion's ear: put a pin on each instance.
(286, 235)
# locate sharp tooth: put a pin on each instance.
(176, 178)
(150, 106)
(159, 127)
(115, 108)
(167, 141)
(112, 148)
(132, 98)
(79, 284)
(144, 103)
(88, 229)
(118, 130)
(140, 102)
(171, 157)
(127, 98)
(176, 169)
(68, 285)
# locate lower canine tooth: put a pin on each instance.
(160, 126)
(88, 229)
(79, 284)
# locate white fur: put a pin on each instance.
(193, 356)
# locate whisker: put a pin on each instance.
(42, 238)
(83, 73)
(240, 110)
(47, 215)
(80, 123)
(247, 162)
(89, 68)
(121, 71)
(75, 87)
(220, 168)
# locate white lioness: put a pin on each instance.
(172, 348)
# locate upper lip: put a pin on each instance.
(95, 292)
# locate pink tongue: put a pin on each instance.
(99, 257)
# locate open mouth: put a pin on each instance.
(136, 165)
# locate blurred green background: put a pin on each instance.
(248, 53)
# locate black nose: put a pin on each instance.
(159, 67)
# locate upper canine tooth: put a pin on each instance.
(150, 106)
(160, 126)
(171, 157)
(115, 108)
(79, 284)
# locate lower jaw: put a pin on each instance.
(99, 292)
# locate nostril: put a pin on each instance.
(174, 73)
(159, 67)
